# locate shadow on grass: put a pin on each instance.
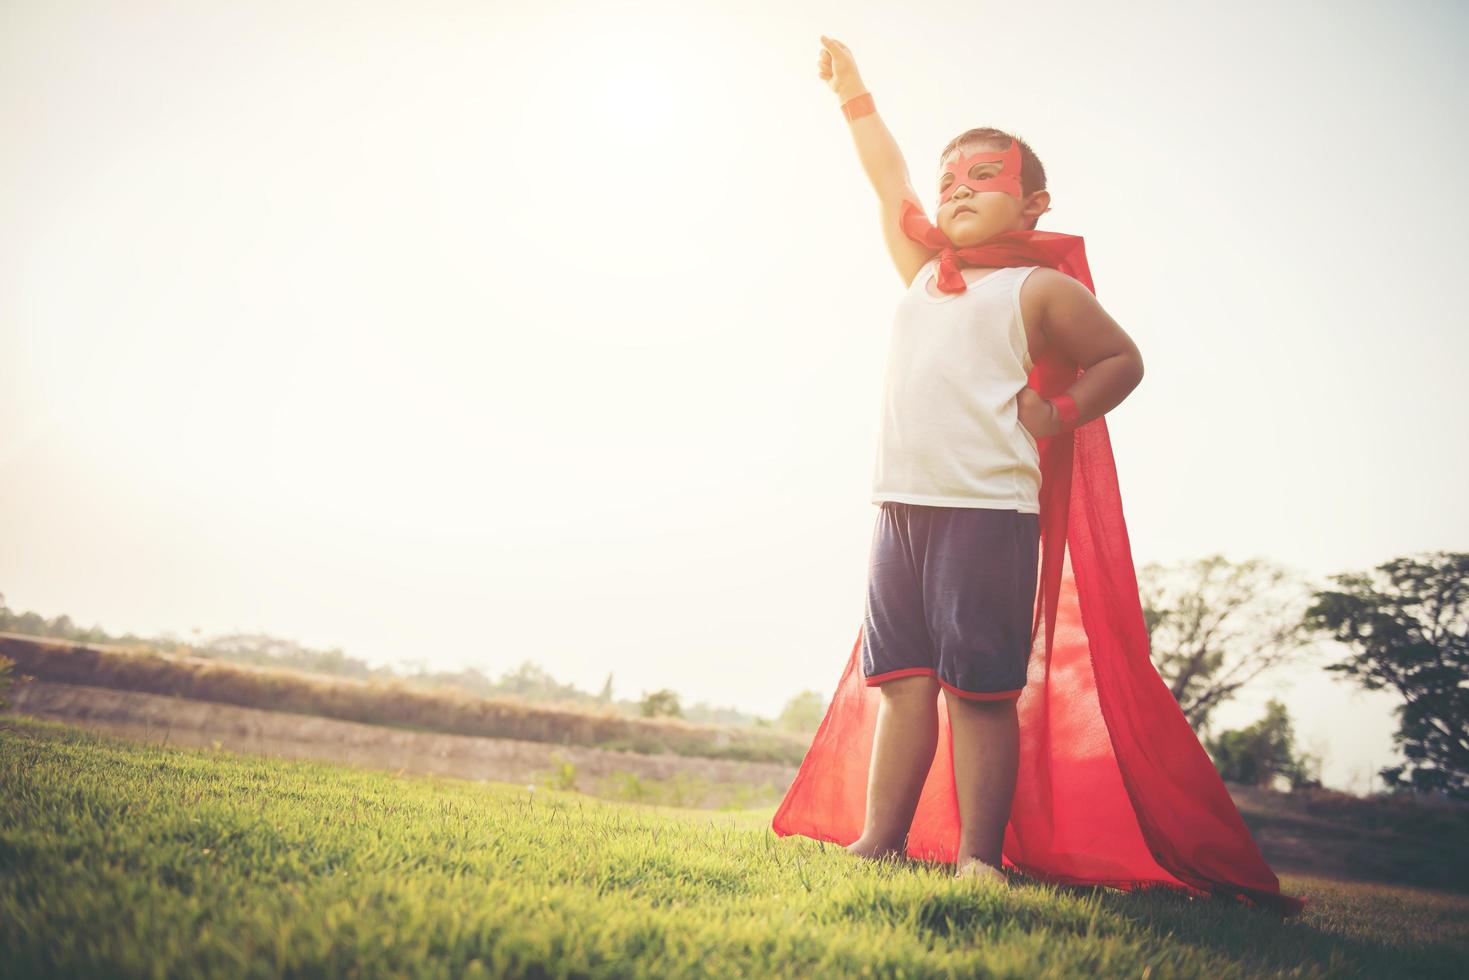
(1263, 940)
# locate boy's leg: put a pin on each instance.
(902, 754)
(898, 659)
(986, 738)
(980, 600)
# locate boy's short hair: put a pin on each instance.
(1032, 173)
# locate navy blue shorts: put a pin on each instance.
(951, 593)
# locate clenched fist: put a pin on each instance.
(838, 68)
(1037, 414)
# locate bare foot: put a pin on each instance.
(876, 852)
(974, 868)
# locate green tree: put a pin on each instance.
(802, 713)
(1405, 625)
(1214, 626)
(1255, 755)
(664, 702)
(533, 682)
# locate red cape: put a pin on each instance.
(1114, 788)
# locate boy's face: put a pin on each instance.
(969, 215)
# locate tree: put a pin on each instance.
(533, 682)
(1214, 626)
(606, 695)
(1405, 624)
(664, 702)
(802, 713)
(261, 648)
(1255, 755)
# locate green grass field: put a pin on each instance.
(121, 859)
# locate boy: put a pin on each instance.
(955, 553)
(1112, 787)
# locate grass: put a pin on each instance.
(121, 859)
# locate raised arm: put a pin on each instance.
(881, 159)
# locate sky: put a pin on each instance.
(471, 333)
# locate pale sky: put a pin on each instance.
(474, 333)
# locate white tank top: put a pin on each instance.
(949, 434)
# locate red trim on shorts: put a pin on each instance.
(986, 696)
(877, 679)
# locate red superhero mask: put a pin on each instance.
(977, 171)
(986, 179)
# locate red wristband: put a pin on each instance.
(1066, 408)
(858, 105)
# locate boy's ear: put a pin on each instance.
(1039, 204)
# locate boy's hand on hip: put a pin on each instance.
(1037, 414)
(838, 68)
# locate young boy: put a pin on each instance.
(953, 567)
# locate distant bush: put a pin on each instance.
(1426, 818)
(627, 786)
(1257, 754)
(527, 682)
(6, 680)
(563, 776)
(802, 713)
(664, 702)
(394, 702)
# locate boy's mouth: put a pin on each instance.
(962, 209)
